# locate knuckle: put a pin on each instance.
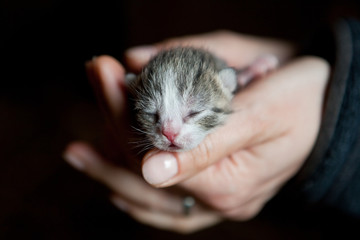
(236, 207)
(183, 228)
(183, 225)
(244, 213)
(202, 156)
(226, 34)
(223, 204)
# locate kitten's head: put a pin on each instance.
(181, 96)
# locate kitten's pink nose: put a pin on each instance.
(169, 134)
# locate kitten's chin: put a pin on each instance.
(176, 148)
(172, 148)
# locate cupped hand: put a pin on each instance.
(236, 169)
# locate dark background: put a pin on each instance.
(46, 102)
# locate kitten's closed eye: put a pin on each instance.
(192, 114)
(155, 116)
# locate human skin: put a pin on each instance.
(237, 168)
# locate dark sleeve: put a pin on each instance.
(331, 174)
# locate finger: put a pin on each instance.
(107, 77)
(138, 56)
(124, 183)
(232, 185)
(241, 201)
(238, 50)
(248, 210)
(256, 120)
(178, 223)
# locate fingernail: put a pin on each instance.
(80, 156)
(88, 65)
(119, 203)
(90, 62)
(74, 161)
(142, 53)
(159, 168)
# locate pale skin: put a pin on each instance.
(237, 168)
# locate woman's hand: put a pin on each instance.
(236, 169)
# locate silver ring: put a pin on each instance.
(188, 204)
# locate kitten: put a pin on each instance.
(184, 93)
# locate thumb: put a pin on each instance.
(163, 169)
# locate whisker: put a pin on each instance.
(146, 148)
(140, 130)
(142, 145)
(135, 141)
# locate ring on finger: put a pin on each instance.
(188, 203)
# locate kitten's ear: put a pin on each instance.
(228, 78)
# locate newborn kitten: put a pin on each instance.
(184, 93)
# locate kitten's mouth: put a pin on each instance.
(174, 147)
